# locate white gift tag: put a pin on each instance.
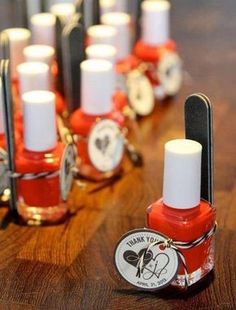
(140, 92)
(66, 171)
(106, 145)
(170, 73)
(143, 263)
(4, 177)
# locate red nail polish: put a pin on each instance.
(43, 29)
(40, 199)
(107, 6)
(64, 11)
(95, 125)
(46, 54)
(164, 66)
(109, 53)
(181, 214)
(130, 77)
(122, 24)
(19, 38)
(105, 35)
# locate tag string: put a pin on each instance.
(40, 175)
(176, 246)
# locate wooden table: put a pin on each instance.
(70, 266)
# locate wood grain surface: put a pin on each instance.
(70, 266)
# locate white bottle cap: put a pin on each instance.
(39, 121)
(102, 34)
(102, 51)
(63, 10)
(39, 53)
(182, 174)
(43, 29)
(18, 38)
(155, 22)
(33, 76)
(98, 82)
(107, 6)
(2, 129)
(121, 22)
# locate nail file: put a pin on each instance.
(43, 5)
(73, 55)
(199, 127)
(9, 128)
(79, 5)
(90, 10)
(96, 12)
(22, 13)
(137, 16)
(60, 77)
(4, 46)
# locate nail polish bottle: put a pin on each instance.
(43, 29)
(63, 10)
(40, 163)
(181, 214)
(31, 76)
(19, 38)
(131, 78)
(100, 150)
(46, 54)
(158, 51)
(122, 23)
(107, 6)
(101, 34)
(109, 53)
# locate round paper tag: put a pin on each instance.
(106, 146)
(4, 179)
(148, 268)
(140, 92)
(66, 172)
(170, 74)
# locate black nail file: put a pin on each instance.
(79, 5)
(73, 55)
(9, 128)
(59, 57)
(96, 12)
(138, 14)
(90, 10)
(21, 13)
(43, 6)
(4, 46)
(199, 127)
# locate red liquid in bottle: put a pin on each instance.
(39, 200)
(187, 225)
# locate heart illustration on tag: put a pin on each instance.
(161, 261)
(133, 258)
(142, 262)
(102, 144)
